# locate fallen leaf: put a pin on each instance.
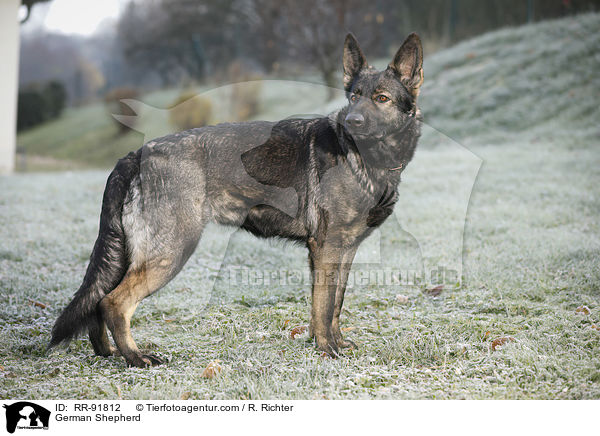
(263, 369)
(285, 323)
(1, 368)
(185, 395)
(325, 355)
(348, 329)
(595, 327)
(212, 369)
(169, 320)
(119, 393)
(501, 341)
(297, 331)
(583, 310)
(38, 304)
(434, 292)
(402, 299)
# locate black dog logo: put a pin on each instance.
(28, 415)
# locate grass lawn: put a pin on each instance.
(529, 259)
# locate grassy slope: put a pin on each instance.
(532, 246)
(87, 137)
(538, 81)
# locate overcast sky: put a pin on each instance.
(80, 17)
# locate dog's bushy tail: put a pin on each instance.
(109, 260)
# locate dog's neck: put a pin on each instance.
(394, 149)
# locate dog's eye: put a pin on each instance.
(382, 98)
(353, 97)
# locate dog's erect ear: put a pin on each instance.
(354, 60)
(408, 63)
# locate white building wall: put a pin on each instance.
(9, 69)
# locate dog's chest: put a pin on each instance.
(356, 201)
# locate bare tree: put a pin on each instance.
(178, 38)
(315, 31)
(143, 33)
(263, 18)
(200, 38)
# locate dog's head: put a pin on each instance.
(381, 102)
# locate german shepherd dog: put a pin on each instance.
(343, 171)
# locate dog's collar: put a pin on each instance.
(414, 113)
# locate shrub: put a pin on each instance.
(55, 95)
(39, 104)
(30, 111)
(189, 111)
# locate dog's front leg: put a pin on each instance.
(325, 261)
(344, 270)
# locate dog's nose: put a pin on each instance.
(355, 120)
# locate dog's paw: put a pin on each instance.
(111, 351)
(107, 351)
(327, 346)
(152, 359)
(347, 343)
(144, 360)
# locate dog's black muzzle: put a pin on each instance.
(360, 129)
(354, 121)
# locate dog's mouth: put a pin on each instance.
(365, 136)
(380, 134)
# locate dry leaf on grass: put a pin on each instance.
(402, 299)
(499, 342)
(583, 310)
(212, 369)
(434, 292)
(297, 331)
(348, 329)
(595, 327)
(185, 395)
(38, 304)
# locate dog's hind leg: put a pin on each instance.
(118, 307)
(99, 337)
